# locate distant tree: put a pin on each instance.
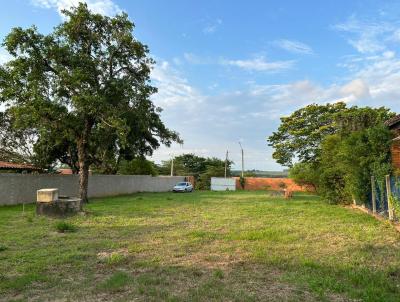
(16, 145)
(202, 168)
(137, 166)
(299, 135)
(87, 82)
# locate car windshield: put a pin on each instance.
(181, 184)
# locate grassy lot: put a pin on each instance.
(205, 246)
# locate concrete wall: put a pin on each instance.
(21, 188)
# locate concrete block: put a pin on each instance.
(47, 195)
(64, 207)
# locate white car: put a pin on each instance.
(183, 187)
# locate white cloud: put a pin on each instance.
(287, 97)
(173, 89)
(212, 27)
(368, 37)
(294, 46)
(355, 90)
(104, 7)
(259, 64)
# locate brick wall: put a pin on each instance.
(260, 183)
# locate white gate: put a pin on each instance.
(223, 184)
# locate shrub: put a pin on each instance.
(65, 227)
(282, 185)
(242, 182)
(2, 248)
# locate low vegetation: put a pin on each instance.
(65, 227)
(205, 246)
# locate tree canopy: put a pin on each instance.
(300, 134)
(336, 149)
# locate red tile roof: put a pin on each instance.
(15, 166)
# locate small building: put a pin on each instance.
(394, 125)
(8, 167)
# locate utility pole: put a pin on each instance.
(226, 162)
(242, 159)
(172, 166)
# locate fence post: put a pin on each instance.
(373, 195)
(389, 194)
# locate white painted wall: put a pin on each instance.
(223, 184)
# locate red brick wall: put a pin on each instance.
(260, 183)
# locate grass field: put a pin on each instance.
(205, 246)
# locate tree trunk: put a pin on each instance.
(83, 180)
(83, 159)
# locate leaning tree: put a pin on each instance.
(87, 83)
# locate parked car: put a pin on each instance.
(183, 187)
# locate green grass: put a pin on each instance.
(205, 246)
(115, 282)
(63, 227)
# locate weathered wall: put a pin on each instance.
(260, 183)
(395, 151)
(21, 188)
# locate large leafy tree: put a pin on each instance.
(299, 135)
(336, 150)
(86, 83)
(16, 145)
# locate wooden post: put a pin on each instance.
(389, 194)
(373, 195)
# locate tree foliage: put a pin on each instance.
(305, 174)
(85, 87)
(137, 166)
(300, 134)
(356, 146)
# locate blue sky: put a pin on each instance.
(227, 70)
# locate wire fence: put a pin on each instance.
(384, 196)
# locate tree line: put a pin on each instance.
(335, 149)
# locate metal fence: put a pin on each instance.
(384, 192)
